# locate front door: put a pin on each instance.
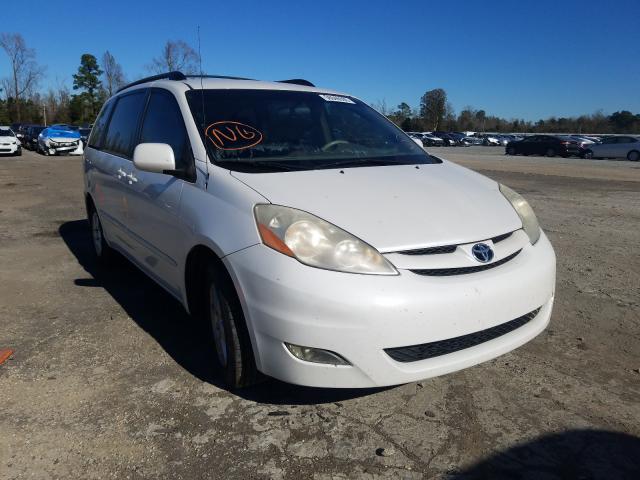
(154, 198)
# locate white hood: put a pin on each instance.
(396, 207)
(7, 139)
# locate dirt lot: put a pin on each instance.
(111, 379)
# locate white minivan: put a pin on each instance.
(319, 242)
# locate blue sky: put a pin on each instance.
(513, 59)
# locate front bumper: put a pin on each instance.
(359, 316)
(9, 149)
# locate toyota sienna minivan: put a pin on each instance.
(319, 242)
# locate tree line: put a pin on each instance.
(435, 113)
(95, 81)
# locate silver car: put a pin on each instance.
(615, 147)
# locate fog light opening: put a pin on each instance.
(315, 355)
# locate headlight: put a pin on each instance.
(529, 221)
(317, 243)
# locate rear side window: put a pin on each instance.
(163, 123)
(124, 124)
(95, 140)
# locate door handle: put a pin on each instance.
(132, 178)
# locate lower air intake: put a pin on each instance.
(450, 345)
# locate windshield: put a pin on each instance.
(269, 130)
(5, 132)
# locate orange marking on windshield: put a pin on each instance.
(229, 135)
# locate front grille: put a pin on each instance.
(445, 272)
(447, 248)
(443, 347)
(502, 237)
(431, 250)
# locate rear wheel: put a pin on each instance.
(634, 156)
(588, 154)
(101, 249)
(511, 151)
(234, 354)
(550, 152)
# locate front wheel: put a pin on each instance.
(511, 151)
(229, 333)
(633, 156)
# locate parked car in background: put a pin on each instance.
(472, 140)
(30, 139)
(504, 139)
(59, 139)
(418, 141)
(9, 143)
(15, 128)
(583, 140)
(84, 135)
(490, 140)
(431, 140)
(21, 132)
(459, 138)
(549, 145)
(448, 139)
(615, 147)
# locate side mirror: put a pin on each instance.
(154, 157)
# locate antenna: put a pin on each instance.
(204, 120)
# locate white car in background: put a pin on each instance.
(321, 245)
(615, 147)
(9, 143)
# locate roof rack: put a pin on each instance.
(163, 76)
(181, 76)
(298, 81)
(218, 76)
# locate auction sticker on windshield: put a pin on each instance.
(336, 98)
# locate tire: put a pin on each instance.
(18, 153)
(229, 334)
(511, 151)
(550, 152)
(588, 155)
(103, 252)
(633, 156)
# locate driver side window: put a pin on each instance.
(163, 124)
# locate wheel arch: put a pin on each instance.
(89, 204)
(197, 260)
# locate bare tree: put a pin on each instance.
(112, 73)
(176, 55)
(25, 71)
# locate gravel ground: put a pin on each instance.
(111, 379)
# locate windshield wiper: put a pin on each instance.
(261, 164)
(357, 162)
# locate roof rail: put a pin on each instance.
(163, 76)
(218, 76)
(298, 81)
